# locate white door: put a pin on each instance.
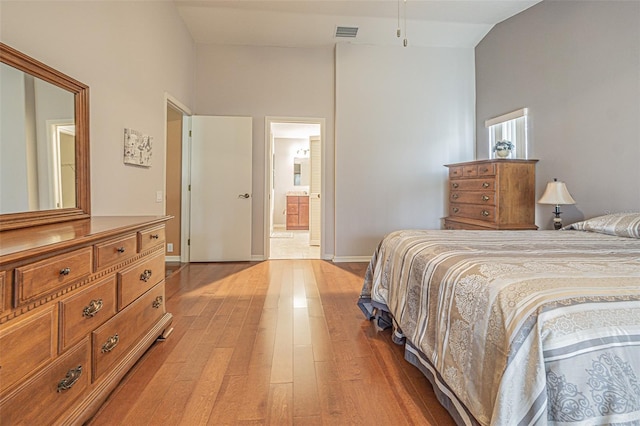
(315, 188)
(220, 189)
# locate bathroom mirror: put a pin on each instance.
(44, 143)
(301, 171)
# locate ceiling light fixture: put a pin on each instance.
(405, 42)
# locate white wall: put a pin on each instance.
(576, 66)
(401, 114)
(270, 81)
(129, 54)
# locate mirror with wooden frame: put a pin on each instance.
(44, 144)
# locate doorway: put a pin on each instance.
(177, 197)
(294, 210)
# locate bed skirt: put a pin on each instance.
(445, 396)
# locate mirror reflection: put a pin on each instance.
(37, 144)
(301, 171)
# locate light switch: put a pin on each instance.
(158, 196)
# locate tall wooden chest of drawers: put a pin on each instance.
(80, 302)
(492, 194)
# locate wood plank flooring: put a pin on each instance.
(280, 342)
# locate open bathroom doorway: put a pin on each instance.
(294, 178)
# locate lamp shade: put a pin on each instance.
(556, 193)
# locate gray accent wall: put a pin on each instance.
(576, 66)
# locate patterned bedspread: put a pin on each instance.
(525, 327)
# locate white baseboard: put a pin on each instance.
(172, 258)
(341, 259)
(257, 257)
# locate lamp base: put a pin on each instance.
(557, 222)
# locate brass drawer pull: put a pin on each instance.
(454, 196)
(93, 308)
(158, 302)
(485, 198)
(485, 170)
(485, 213)
(154, 236)
(455, 184)
(145, 275)
(456, 210)
(65, 271)
(110, 344)
(120, 249)
(485, 184)
(70, 379)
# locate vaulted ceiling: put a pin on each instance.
(306, 23)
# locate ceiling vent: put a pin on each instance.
(346, 32)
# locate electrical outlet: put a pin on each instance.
(169, 247)
(158, 196)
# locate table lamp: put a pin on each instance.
(556, 193)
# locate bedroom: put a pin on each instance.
(583, 106)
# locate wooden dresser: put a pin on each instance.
(492, 194)
(80, 302)
(297, 212)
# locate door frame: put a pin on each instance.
(185, 201)
(268, 176)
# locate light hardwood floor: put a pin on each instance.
(277, 342)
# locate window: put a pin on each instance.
(510, 127)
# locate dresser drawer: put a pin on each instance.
(150, 238)
(470, 171)
(452, 224)
(55, 387)
(47, 276)
(86, 310)
(138, 278)
(472, 211)
(486, 169)
(473, 184)
(27, 345)
(115, 251)
(456, 172)
(473, 197)
(114, 338)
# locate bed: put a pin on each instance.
(518, 327)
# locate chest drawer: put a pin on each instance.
(55, 387)
(27, 345)
(85, 311)
(473, 197)
(114, 251)
(113, 338)
(473, 184)
(472, 211)
(452, 224)
(470, 171)
(139, 277)
(486, 169)
(456, 172)
(150, 238)
(46, 276)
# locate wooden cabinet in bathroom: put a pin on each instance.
(297, 212)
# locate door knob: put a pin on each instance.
(245, 195)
